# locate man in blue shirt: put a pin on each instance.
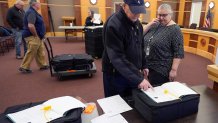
(34, 32)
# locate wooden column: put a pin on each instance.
(203, 11)
(108, 8)
(4, 9)
(44, 12)
(77, 12)
(181, 12)
(187, 13)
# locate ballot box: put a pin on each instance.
(93, 41)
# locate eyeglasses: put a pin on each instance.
(162, 15)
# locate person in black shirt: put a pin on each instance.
(14, 18)
(123, 60)
(90, 18)
(164, 47)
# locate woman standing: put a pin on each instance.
(163, 47)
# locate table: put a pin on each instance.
(70, 29)
(207, 112)
(213, 75)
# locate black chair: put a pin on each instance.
(193, 26)
(181, 26)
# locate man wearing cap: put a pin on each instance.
(123, 62)
(34, 32)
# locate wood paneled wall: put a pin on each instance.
(214, 12)
(77, 11)
(200, 42)
(105, 8)
(4, 9)
(85, 5)
(45, 15)
(152, 8)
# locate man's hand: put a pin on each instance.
(172, 75)
(144, 85)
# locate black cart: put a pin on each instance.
(69, 72)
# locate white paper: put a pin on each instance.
(169, 91)
(178, 88)
(63, 104)
(113, 105)
(97, 19)
(35, 114)
(109, 119)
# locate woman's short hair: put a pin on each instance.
(165, 7)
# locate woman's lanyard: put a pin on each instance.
(147, 51)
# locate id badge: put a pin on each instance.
(147, 51)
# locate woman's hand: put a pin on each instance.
(172, 75)
(155, 21)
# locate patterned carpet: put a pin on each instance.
(17, 88)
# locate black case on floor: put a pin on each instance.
(167, 111)
(93, 41)
(72, 62)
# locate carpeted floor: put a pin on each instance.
(17, 88)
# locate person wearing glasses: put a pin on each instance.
(163, 47)
(123, 56)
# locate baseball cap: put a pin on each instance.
(136, 6)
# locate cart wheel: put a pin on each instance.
(90, 75)
(60, 77)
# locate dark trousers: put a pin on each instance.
(116, 84)
(156, 78)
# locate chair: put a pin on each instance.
(193, 26)
(3, 45)
(181, 26)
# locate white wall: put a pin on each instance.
(195, 13)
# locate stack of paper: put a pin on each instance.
(169, 91)
(97, 19)
(112, 107)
